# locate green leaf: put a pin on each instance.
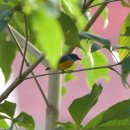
(127, 32)
(25, 120)
(116, 116)
(81, 106)
(59, 128)
(69, 77)
(119, 111)
(124, 3)
(125, 70)
(31, 57)
(49, 35)
(124, 40)
(3, 124)
(94, 60)
(3, 24)
(95, 47)
(3, 117)
(67, 125)
(105, 17)
(94, 122)
(70, 30)
(105, 42)
(125, 127)
(63, 91)
(6, 13)
(7, 55)
(8, 108)
(67, 8)
(120, 47)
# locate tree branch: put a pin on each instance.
(28, 64)
(86, 5)
(74, 71)
(94, 17)
(30, 48)
(18, 80)
(110, 1)
(26, 44)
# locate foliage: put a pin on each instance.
(56, 28)
(115, 118)
(7, 54)
(7, 111)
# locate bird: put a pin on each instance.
(66, 62)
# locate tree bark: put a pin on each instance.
(54, 94)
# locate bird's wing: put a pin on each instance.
(64, 58)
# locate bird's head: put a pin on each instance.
(74, 57)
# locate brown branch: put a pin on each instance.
(18, 80)
(74, 71)
(28, 64)
(26, 44)
(86, 5)
(110, 1)
(94, 17)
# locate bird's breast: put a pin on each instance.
(65, 65)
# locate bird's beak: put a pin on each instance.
(79, 58)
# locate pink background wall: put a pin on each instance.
(30, 100)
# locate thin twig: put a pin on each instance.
(73, 71)
(28, 64)
(86, 5)
(126, 56)
(119, 75)
(110, 1)
(114, 56)
(26, 44)
(94, 17)
(18, 80)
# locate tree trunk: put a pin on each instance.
(54, 94)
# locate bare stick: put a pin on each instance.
(110, 1)
(79, 70)
(18, 80)
(26, 44)
(30, 48)
(28, 64)
(86, 5)
(95, 16)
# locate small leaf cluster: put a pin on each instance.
(117, 117)
(7, 111)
